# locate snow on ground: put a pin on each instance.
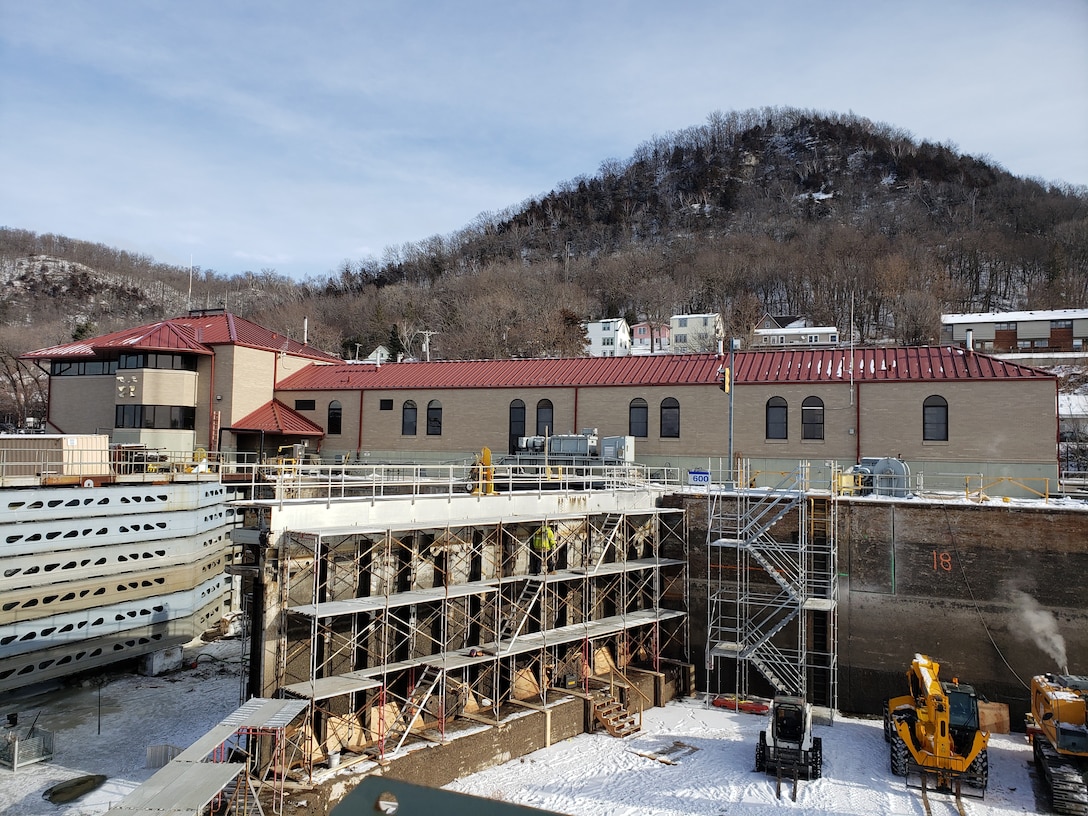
(704, 765)
(710, 755)
(136, 713)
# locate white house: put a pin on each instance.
(608, 338)
(695, 333)
(792, 330)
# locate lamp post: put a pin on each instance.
(732, 345)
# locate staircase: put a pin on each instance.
(614, 716)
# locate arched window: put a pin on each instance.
(408, 419)
(336, 414)
(812, 418)
(434, 418)
(935, 419)
(517, 423)
(544, 421)
(670, 418)
(638, 418)
(776, 418)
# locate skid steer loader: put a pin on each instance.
(788, 749)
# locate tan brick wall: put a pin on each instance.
(987, 420)
(81, 405)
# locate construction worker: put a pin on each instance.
(543, 547)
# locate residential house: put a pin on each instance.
(1055, 330)
(649, 337)
(608, 338)
(695, 333)
(792, 330)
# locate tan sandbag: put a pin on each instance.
(525, 685)
(373, 720)
(602, 661)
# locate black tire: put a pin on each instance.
(978, 772)
(888, 729)
(898, 756)
(761, 752)
(816, 766)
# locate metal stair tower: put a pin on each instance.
(772, 587)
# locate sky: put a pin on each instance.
(264, 134)
(691, 758)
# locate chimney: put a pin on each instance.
(969, 340)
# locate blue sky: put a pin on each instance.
(291, 136)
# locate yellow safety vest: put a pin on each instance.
(544, 539)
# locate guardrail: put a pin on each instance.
(59, 465)
(286, 480)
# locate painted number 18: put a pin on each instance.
(942, 561)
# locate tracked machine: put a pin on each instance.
(934, 731)
(788, 749)
(1058, 732)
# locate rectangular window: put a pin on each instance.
(175, 417)
(305, 405)
(1061, 324)
(385, 405)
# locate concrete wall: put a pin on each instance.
(438, 765)
(975, 586)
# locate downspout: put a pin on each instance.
(211, 402)
(359, 435)
(857, 422)
(575, 428)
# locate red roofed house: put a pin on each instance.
(217, 379)
(177, 383)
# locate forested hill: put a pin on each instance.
(776, 210)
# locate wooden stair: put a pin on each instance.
(615, 716)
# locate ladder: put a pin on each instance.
(413, 707)
(513, 623)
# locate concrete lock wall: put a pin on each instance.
(438, 765)
(993, 591)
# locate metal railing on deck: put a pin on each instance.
(293, 479)
(60, 464)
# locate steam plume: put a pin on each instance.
(1040, 626)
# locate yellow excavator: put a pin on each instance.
(934, 730)
(1058, 731)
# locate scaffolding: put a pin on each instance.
(392, 634)
(772, 588)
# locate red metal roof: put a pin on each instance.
(898, 364)
(276, 418)
(663, 369)
(195, 335)
(751, 367)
